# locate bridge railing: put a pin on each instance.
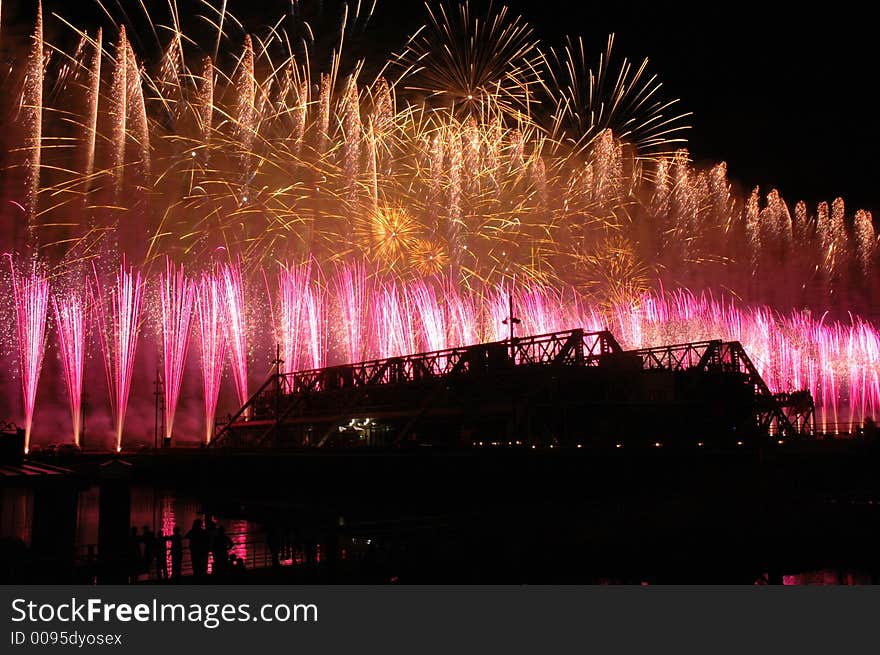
(572, 347)
(681, 357)
(569, 347)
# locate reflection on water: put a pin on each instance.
(827, 577)
(16, 513)
(162, 509)
(87, 517)
(159, 510)
(282, 543)
(156, 509)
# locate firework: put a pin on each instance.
(316, 328)
(30, 295)
(118, 308)
(408, 205)
(471, 61)
(588, 100)
(432, 316)
(32, 119)
(558, 170)
(352, 286)
(209, 301)
(70, 325)
(176, 294)
(292, 283)
(236, 327)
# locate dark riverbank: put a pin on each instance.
(508, 515)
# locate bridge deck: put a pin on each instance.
(409, 388)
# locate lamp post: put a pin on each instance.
(159, 419)
(510, 322)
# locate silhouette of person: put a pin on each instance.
(149, 541)
(273, 541)
(870, 430)
(220, 550)
(135, 556)
(198, 549)
(176, 553)
(236, 566)
(161, 556)
(210, 531)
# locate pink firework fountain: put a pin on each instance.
(315, 321)
(292, 284)
(176, 295)
(118, 310)
(209, 302)
(31, 300)
(69, 309)
(236, 327)
(352, 285)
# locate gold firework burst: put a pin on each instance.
(610, 272)
(429, 258)
(388, 235)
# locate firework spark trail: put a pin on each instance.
(316, 327)
(464, 327)
(352, 128)
(30, 295)
(70, 325)
(176, 296)
(575, 89)
(137, 113)
(393, 327)
(245, 85)
(866, 240)
(292, 284)
(836, 362)
(466, 60)
(209, 301)
(492, 191)
(235, 319)
(119, 113)
(91, 125)
(432, 316)
(473, 191)
(540, 312)
(118, 315)
(205, 101)
(353, 296)
(32, 118)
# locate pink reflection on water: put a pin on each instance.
(826, 578)
(16, 513)
(167, 525)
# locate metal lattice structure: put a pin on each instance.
(525, 372)
(784, 414)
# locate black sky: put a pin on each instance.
(785, 96)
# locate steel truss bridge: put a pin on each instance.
(560, 388)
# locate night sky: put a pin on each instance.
(785, 98)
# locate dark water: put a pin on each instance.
(369, 549)
(155, 508)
